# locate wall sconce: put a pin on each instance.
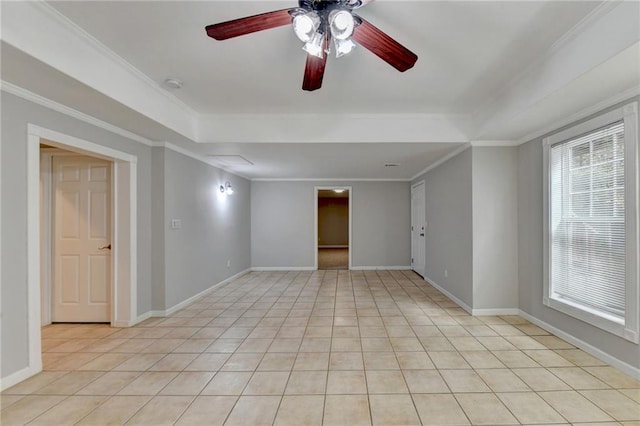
(226, 188)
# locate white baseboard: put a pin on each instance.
(333, 246)
(495, 311)
(592, 350)
(449, 295)
(18, 376)
(146, 316)
(184, 303)
(380, 268)
(193, 298)
(282, 268)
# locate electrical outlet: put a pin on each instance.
(228, 264)
(446, 273)
(176, 224)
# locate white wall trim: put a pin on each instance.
(442, 160)
(193, 298)
(381, 268)
(117, 59)
(453, 298)
(50, 38)
(600, 11)
(73, 113)
(143, 317)
(582, 114)
(495, 311)
(63, 109)
(80, 145)
(166, 312)
(46, 156)
(495, 143)
(17, 377)
(326, 180)
(592, 350)
(281, 268)
(33, 254)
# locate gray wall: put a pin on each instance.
(530, 255)
(16, 114)
(495, 227)
(282, 222)
(333, 221)
(215, 227)
(449, 232)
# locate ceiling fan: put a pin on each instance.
(318, 23)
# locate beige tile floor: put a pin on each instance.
(325, 347)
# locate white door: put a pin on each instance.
(82, 239)
(418, 226)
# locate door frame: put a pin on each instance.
(124, 231)
(316, 190)
(47, 227)
(414, 186)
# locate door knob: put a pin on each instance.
(105, 247)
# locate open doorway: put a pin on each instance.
(333, 228)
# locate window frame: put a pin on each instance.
(628, 330)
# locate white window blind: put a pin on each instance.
(587, 215)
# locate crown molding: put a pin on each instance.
(79, 32)
(57, 42)
(442, 160)
(596, 14)
(503, 144)
(325, 180)
(582, 114)
(25, 94)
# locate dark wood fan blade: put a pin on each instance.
(380, 44)
(248, 25)
(314, 72)
(314, 69)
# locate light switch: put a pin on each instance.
(176, 224)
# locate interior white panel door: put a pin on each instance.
(81, 239)
(418, 225)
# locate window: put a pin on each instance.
(591, 222)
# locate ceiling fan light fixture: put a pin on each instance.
(314, 46)
(341, 23)
(343, 47)
(305, 26)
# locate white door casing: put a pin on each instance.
(418, 228)
(82, 239)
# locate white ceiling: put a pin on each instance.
(243, 96)
(466, 51)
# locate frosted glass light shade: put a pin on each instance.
(306, 25)
(314, 46)
(341, 24)
(343, 46)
